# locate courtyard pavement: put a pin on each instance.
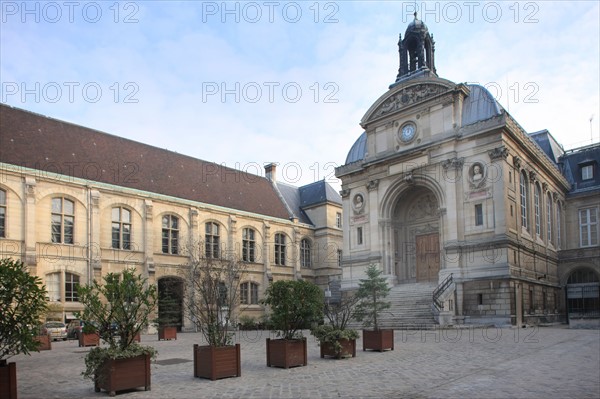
(546, 362)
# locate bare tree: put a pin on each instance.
(211, 293)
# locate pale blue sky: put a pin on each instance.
(245, 83)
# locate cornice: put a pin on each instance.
(535, 151)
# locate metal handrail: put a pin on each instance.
(440, 289)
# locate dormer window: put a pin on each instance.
(587, 172)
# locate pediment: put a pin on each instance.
(402, 97)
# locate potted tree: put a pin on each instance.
(371, 293)
(42, 336)
(169, 309)
(121, 307)
(335, 338)
(295, 305)
(89, 335)
(21, 305)
(210, 298)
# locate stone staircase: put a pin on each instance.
(410, 310)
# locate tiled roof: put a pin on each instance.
(57, 147)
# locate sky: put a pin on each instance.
(243, 84)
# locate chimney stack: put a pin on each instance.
(271, 172)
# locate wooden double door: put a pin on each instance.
(427, 257)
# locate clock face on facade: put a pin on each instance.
(407, 132)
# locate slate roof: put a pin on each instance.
(479, 105)
(548, 144)
(57, 147)
(299, 198)
(318, 193)
(574, 160)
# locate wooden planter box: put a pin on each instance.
(217, 362)
(284, 353)
(45, 342)
(348, 349)
(120, 374)
(167, 333)
(379, 340)
(89, 339)
(8, 380)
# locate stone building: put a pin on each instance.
(472, 219)
(76, 203)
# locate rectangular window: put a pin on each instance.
(338, 220)
(558, 238)
(524, 199)
(121, 228)
(71, 284)
(587, 172)
(212, 246)
(53, 286)
(537, 211)
(479, 299)
(588, 227)
(62, 220)
(479, 215)
(2, 213)
(339, 257)
(253, 294)
(549, 218)
(244, 293)
(359, 235)
(248, 245)
(280, 249)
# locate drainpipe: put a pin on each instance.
(89, 236)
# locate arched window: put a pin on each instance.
(305, 255)
(524, 199)
(280, 249)
(249, 293)
(248, 245)
(211, 243)
(537, 210)
(121, 228)
(2, 213)
(170, 234)
(63, 220)
(549, 217)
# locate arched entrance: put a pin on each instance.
(416, 231)
(583, 294)
(170, 301)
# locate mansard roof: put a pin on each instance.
(572, 161)
(300, 198)
(548, 144)
(57, 147)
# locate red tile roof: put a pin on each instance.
(57, 147)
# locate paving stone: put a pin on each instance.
(451, 363)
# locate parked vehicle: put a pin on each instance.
(57, 330)
(75, 328)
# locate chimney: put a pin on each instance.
(271, 172)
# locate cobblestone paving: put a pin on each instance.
(467, 363)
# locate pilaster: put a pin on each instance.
(149, 236)
(30, 255)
